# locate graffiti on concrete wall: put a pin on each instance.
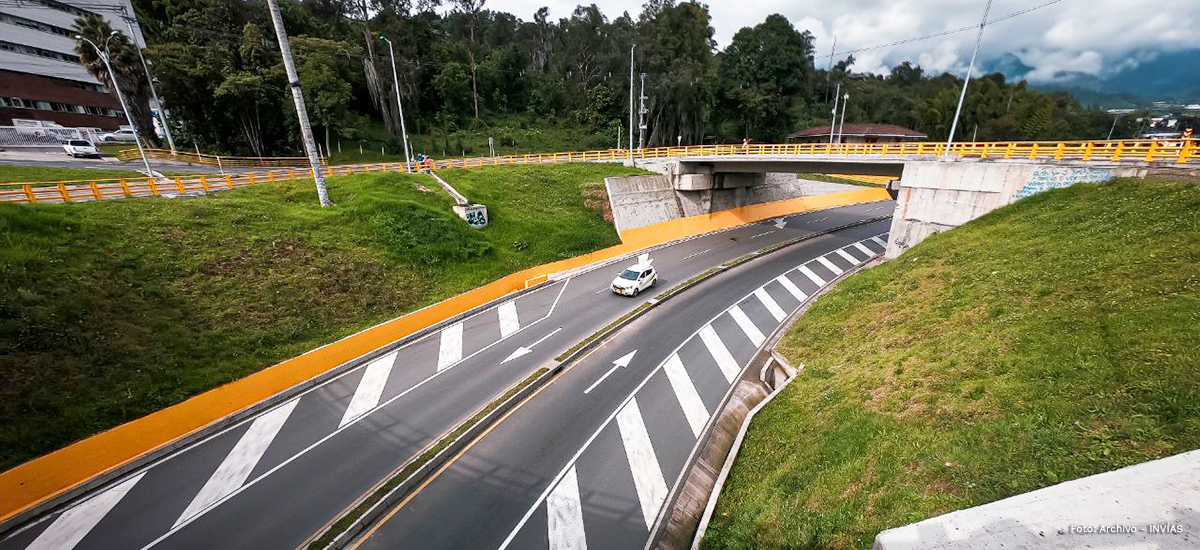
(1055, 178)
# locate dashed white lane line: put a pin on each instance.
(685, 392)
(648, 480)
(718, 351)
(879, 241)
(72, 525)
(509, 323)
(370, 388)
(566, 514)
(451, 349)
(752, 332)
(770, 303)
(690, 256)
(763, 233)
(791, 287)
(240, 461)
(816, 279)
(864, 250)
(846, 255)
(830, 265)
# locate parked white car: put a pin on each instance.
(123, 135)
(635, 278)
(80, 148)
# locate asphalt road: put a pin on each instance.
(273, 480)
(63, 161)
(588, 462)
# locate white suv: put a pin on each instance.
(80, 148)
(635, 278)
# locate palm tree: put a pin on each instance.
(123, 57)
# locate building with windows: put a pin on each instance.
(40, 75)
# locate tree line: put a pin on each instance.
(462, 66)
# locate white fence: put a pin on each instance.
(42, 136)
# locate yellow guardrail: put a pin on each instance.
(1177, 151)
(214, 160)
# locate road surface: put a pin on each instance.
(273, 480)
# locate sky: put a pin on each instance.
(1095, 37)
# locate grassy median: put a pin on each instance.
(1048, 340)
(118, 308)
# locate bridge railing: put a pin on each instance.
(214, 160)
(1177, 151)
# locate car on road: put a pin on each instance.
(635, 278)
(80, 148)
(123, 135)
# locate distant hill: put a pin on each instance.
(1170, 76)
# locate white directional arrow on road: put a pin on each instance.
(780, 222)
(618, 364)
(523, 351)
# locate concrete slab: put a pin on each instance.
(1153, 505)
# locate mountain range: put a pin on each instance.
(1169, 76)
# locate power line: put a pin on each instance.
(942, 33)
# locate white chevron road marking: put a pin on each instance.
(72, 525)
(830, 265)
(240, 461)
(816, 279)
(566, 515)
(756, 336)
(847, 256)
(451, 349)
(864, 250)
(370, 388)
(685, 392)
(770, 303)
(791, 287)
(509, 323)
(717, 349)
(648, 478)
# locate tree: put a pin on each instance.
(763, 76)
(470, 10)
(123, 58)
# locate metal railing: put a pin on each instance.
(1175, 151)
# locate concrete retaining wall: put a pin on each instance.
(935, 196)
(645, 200)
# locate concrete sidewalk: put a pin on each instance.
(1153, 505)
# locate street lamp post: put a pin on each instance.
(162, 111)
(833, 122)
(1114, 126)
(842, 124)
(970, 68)
(103, 54)
(399, 108)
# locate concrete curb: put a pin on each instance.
(344, 539)
(765, 354)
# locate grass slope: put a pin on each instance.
(1048, 340)
(115, 309)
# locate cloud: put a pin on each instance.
(1090, 36)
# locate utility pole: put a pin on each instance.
(1114, 126)
(631, 47)
(642, 114)
(162, 111)
(399, 107)
(833, 121)
(971, 67)
(829, 71)
(103, 53)
(289, 65)
(842, 125)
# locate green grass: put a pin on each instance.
(834, 179)
(12, 173)
(1046, 341)
(118, 308)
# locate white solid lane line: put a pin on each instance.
(847, 256)
(791, 287)
(864, 250)
(509, 323)
(566, 515)
(451, 349)
(752, 332)
(685, 392)
(72, 525)
(717, 349)
(770, 303)
(761, 234)
(830, 265)
(370, 388)
(648, 478)
(690, 256)
(816, 279)
(238, 464)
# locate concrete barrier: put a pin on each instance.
(935, 196)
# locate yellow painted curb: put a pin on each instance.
(41, 479)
